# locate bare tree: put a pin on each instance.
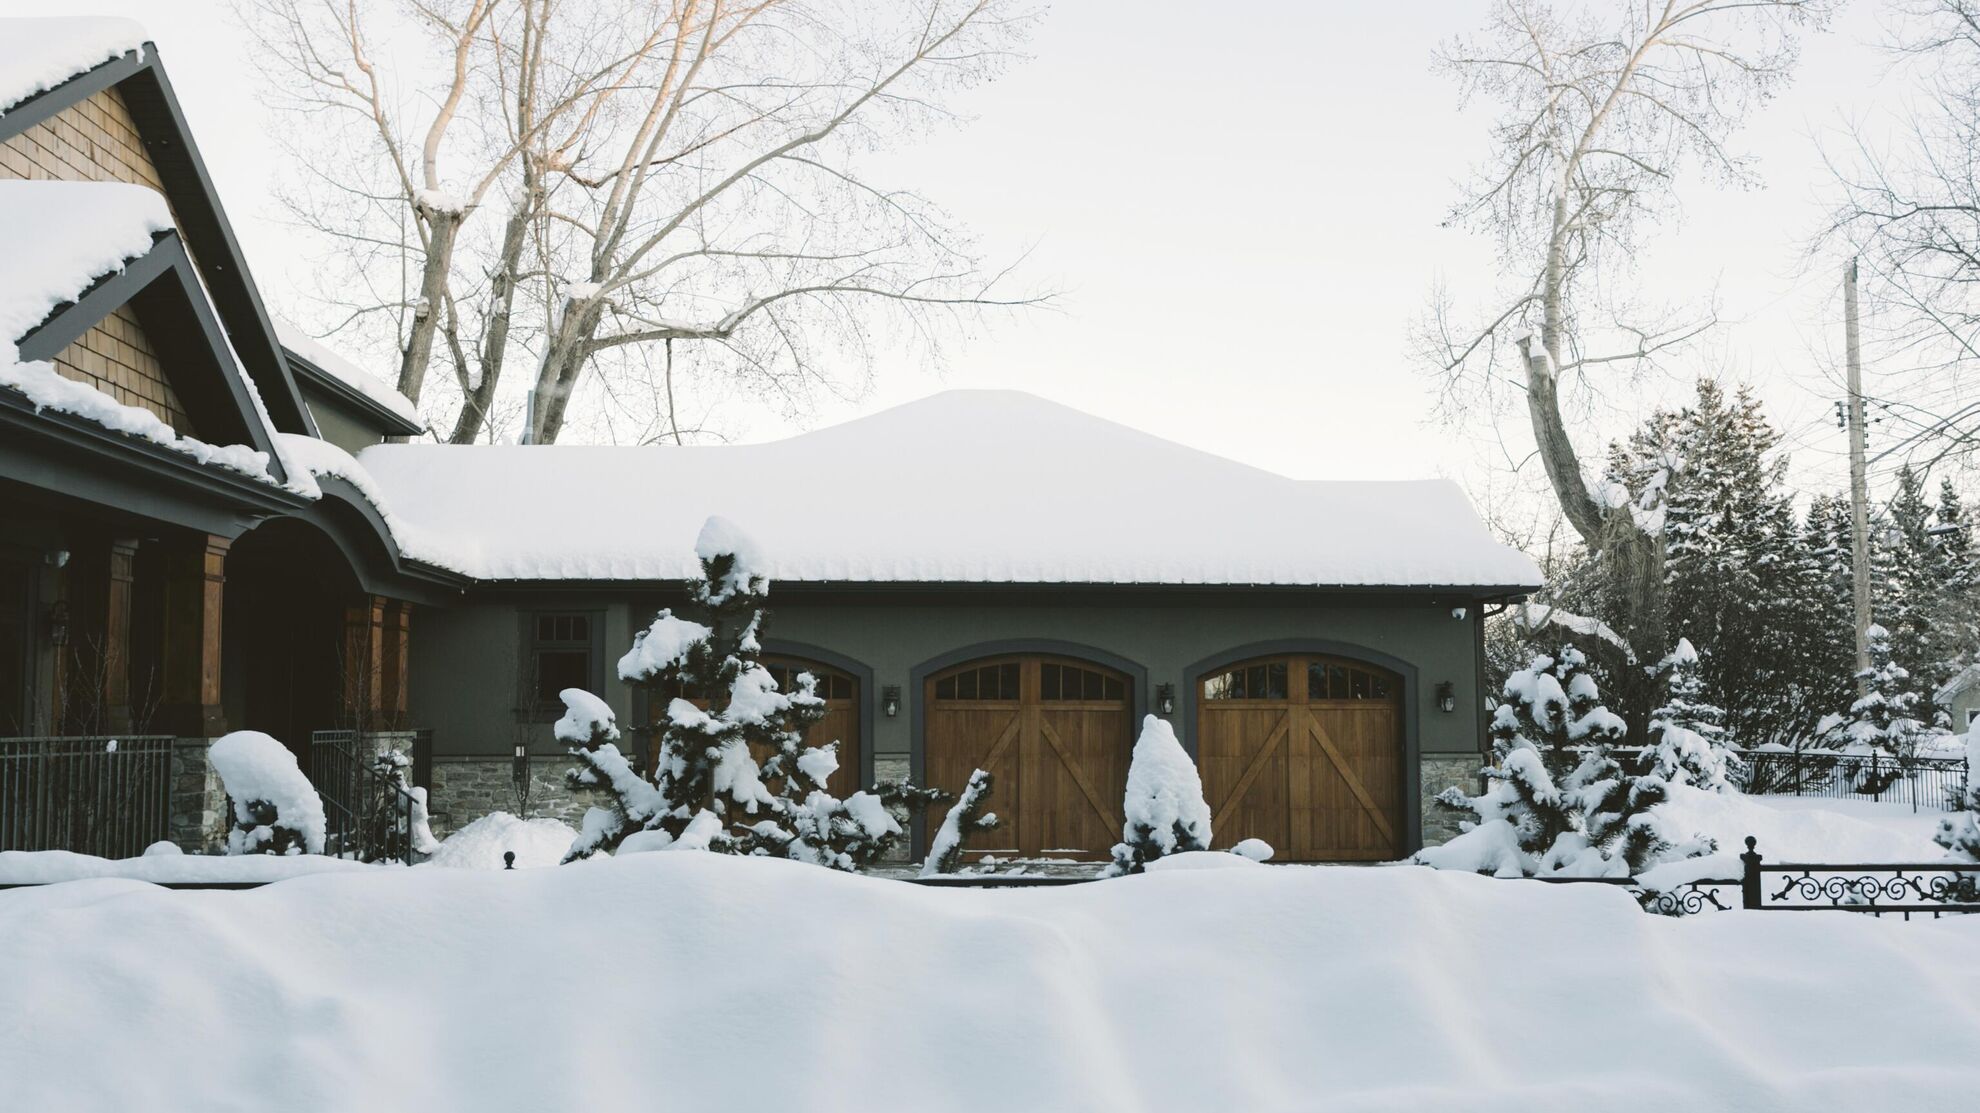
(1601, 109)
(681, 188)
(1910, 211)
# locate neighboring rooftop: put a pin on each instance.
(38, 54)
(321, 358)
(961, 487)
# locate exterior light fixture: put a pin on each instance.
(1165, 699)
(890, 700)
(1446, 697)
(58, 622)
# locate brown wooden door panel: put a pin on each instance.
(1318, 778)
(1060, 762)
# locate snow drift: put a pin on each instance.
(658, 981)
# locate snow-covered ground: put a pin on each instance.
(693, 981)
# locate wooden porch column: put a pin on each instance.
(396, 644)
(195, 580)
(117, 637)
(364, 660)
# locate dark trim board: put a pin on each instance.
(918, 682)
(390, 423)
(1412, 778)
(933, 593)
(50, 102)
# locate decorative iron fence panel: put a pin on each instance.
(368, 811)
(1932, 783)
(110, 797)
(1901, 888)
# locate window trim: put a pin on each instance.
(529, 708)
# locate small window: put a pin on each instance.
(1330, 680)
(1070, 682)
(829, 684)
(984, 682)
(1261, 681)
(562, 653)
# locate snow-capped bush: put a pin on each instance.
(590, 734)
(275, 809)
(1687, 734)
(1557, 803)
(1163, 812)
(966, 817)
(1885, 720)
(1959, 832)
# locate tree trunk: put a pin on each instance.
(495, 339)
(418, 352)
(563, 362)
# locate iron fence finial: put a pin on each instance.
(508, 859)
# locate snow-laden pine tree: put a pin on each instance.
(1883, 721)
(1688, 734)
(1556, 802)
(966, 817)
(1164, 811)
(729, 740)
(1959, 832)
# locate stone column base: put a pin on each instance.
(466, 788)
(1439, 772)
(199, 800)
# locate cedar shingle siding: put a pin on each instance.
(95, 140)
(115, 358)
(92, 141)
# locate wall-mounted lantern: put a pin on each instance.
(1165, 699)
(57, 621)
(1446, 697)
(890, 700)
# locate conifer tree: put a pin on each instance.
(1883, 721)
(1959, 832)
(1164, 811)
(1556, 801)
(1687, 733)
(743, 756)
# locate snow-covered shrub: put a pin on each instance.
(1959, 832)
(1688, 734)
(739, 753)
(1163, 812)
(1258, 850)
(395, 795)
(275, 808)
(1556, 802)
(966, 817)
(1884, 720)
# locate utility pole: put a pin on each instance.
(1859, 485)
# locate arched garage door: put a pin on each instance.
(841, 722)
(1305, 752)
(1055, 732)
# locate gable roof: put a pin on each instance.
(37, 54)
(316, 363)
(961, 487)
(76, 252)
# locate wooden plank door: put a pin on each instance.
(1304, 752)
(1056, 734)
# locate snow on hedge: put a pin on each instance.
(1030, 526)
(464, 991)
(258, 770)
(43, 867)
(350, 374)
(38, 54)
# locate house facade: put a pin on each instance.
(208, 521)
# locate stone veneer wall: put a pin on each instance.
(199, 800)
(466, 788)
(1441, 771)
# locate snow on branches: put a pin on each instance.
(1688, 735)
(1556, 802)
(731, 742)
(1883, 721)
(1959, 833)
(966, 817)
(1164, 812)
(275, 808)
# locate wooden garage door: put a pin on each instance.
(841, 721)
(1304, 752)
(1056, 733)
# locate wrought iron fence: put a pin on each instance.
(110, 797)
(1934, 888)
(1933, 783)
(368, 808)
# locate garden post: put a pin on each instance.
(1749, 882)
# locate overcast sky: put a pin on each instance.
(1242, 211)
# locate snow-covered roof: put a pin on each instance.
(961, 487)
(1960, 682)
(350, 374)
(38, 54)
(60, 238)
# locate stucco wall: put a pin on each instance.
(466, 658)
